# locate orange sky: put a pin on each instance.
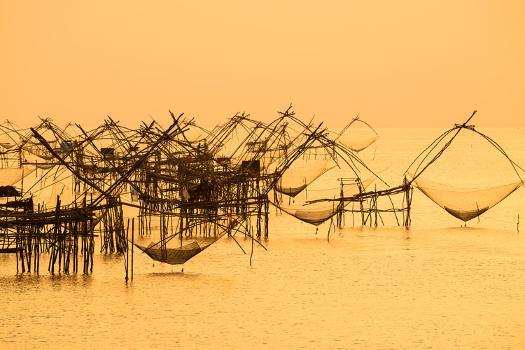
(397, 63)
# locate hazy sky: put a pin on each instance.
(397, 63)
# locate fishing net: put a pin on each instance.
(301, 174)
(48, 193)
(466, 168)
(358, 144)
(71, 130)
(58, 189)
(179, 255)
(186, 248)
(326, 188)
(319, 212)
(465, 203)
(314, 214)
(10, 176)
(357, 135)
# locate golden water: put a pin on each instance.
(435, 286)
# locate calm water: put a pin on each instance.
(436, 286)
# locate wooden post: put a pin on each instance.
(132, 244)
(127, 251)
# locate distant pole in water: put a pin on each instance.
(132, 244)
(127, 251)
(518, 223)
